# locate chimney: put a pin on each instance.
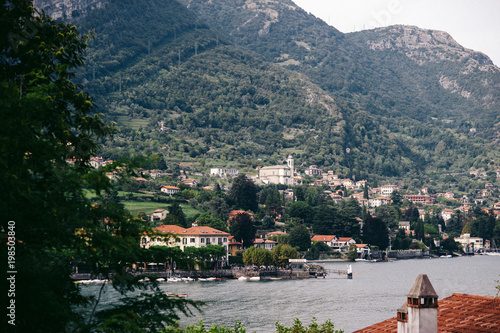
(421, 308)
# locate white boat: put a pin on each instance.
(255, 278)
(243, 278)
(274, 278)
(174, 279)
(361, 260)
(187, 279)
(160, 280)
(446, 256)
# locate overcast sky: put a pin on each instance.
(475, 24)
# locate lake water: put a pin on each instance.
(374, 294)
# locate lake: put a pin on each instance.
(374, 294)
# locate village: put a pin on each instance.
(428, 205)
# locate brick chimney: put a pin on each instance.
(419, 313)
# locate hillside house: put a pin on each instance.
(158, 215)
(219, 172)
(313, 171)
(170, 190)
(386, 190)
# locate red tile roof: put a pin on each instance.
(201, 230)
(458, 313)
(322, 238)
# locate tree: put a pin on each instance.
(206, 219)
(375, 232)
(243, 193)
(353, 252)
(257, 256)
(267, 222)
(217, 207)
(300, 237)
(243, 229)
(273, 204)
(396, 198)
(303, 211)
(176, 216)
(449, 244)
(50, 129)
(325, 218)
(282, 252)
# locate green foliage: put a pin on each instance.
(314, 327)
(282, 252)
(300, 237)
(48, 122)
(244, 193)
(352, 253)
(206, 219)
(375, 232)
(301, 210)
(243, 229)
(449, 244)
(238, 328)
(257, 256)
(176, 216)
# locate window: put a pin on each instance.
(202, 240)
(191, 240)
(225, 240)
(184, 241)
(143, 240)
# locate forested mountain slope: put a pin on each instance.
(154, 62)
(238, 81)
(436, 96)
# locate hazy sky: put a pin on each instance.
(475, 24)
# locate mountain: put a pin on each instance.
(249, 82)
(428, 91)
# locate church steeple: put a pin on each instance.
(289, 162)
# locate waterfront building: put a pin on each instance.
(265, 243)
(196, 236)
(470, 244)
(327, 239)
(423, 313)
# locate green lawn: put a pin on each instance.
(149, 207)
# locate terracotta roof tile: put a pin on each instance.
(458, 313)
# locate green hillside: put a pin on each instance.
(218, 102)
(426, 90)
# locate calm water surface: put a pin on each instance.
(374, 294)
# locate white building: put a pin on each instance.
(470, 244)
(387, 190)
(159, 214)
(223, 172)
(170, 190)
(278, 174)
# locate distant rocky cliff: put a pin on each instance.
(68, 9)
